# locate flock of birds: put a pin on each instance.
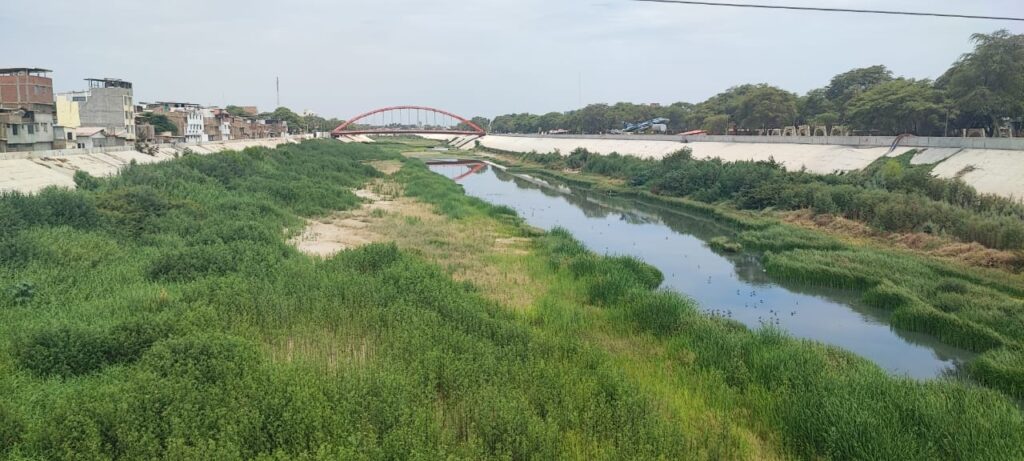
(773, 317)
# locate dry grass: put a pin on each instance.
(476, 250)
(325, 348)
(387, 167)
(479, 250)
(970, 254)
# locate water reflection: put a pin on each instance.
(730, 285)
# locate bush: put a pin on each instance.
(62, 352)
(193, 263)
(725, 244)
(85, 181)
(209, 360)
(73, 351)
(11, 428)
(657, 312)
(1001, 369)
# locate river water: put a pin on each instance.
(729, 285)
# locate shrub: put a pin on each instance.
(62, 352)
(73, 351)
(210, 359)
(657, 312)
(192, 263)
(11, 428)
(886, 295)
(17, 251)
(85, 181)
(725, 244)
(23, 292)
(1001, 369)
(371, 258)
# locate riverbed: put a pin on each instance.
(728, 285)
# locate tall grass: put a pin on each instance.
(825, 403)
(890, 195)
(160, 315)
(977, 309)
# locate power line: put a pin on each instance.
(834, 10)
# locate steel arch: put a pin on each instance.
(340, 130)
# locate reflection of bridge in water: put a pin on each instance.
(475, 166)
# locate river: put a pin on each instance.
(729, 285)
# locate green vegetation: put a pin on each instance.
(725, 244)
(161, 314)
(977, 91)
(973, 308)
(160, 123)
(890, 195)
(824, 403)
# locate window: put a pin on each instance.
(31, 128)
(46, 128)
(14, 130)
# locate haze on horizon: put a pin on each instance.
(485, 57)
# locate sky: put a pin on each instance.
(474, 57)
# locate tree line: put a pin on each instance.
(979, 91)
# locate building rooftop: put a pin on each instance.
(174, 104)
(87, 131)
(24, 70)
(108, 83)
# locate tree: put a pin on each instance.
(766, 107)
(988, 83)
(846, 86)
(236, 111)
(716, 124)
(482, 122)
(160, 123)
(900, 106)
(814, 104)
(827, 119)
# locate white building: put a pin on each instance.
(194, 127)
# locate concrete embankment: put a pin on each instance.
(32, 171)
(993, 171)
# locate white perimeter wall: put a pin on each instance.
(993, 171)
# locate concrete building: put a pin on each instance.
(241, 128)
(107, 103)
(194, 127)
(26, 88)
(26, 101)
(187, 117)
(28, 131)
(67, 122)
(90, 137)
(269, 128)
(5, 119)
(145, 132)
(217, 125)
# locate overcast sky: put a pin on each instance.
(473, 57)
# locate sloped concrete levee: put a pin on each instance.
(998, 170)
(32, 171)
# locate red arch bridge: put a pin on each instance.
(408, 120)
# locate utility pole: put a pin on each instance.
(278, 92)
